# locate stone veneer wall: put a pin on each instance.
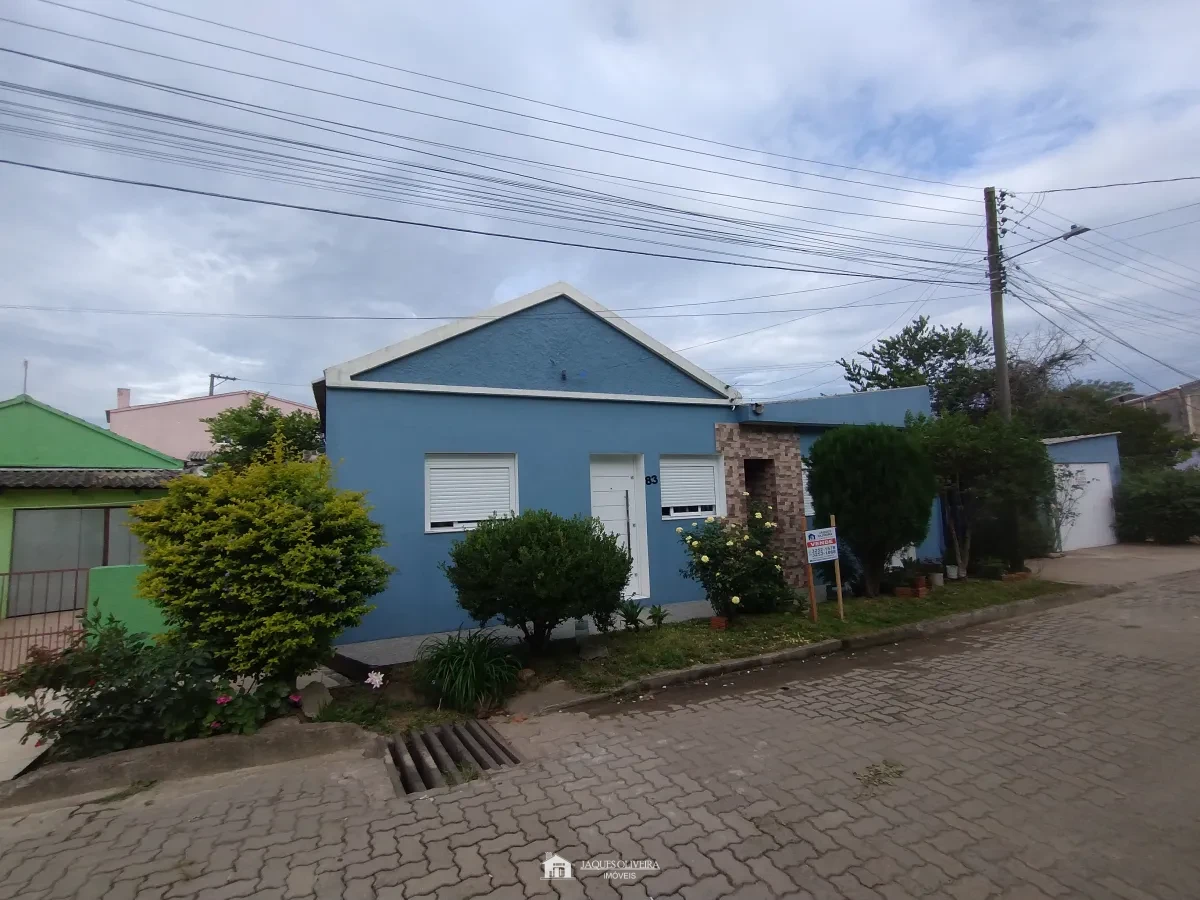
(737, 443)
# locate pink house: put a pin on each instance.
(175, 427)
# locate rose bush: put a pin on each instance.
(736, 564)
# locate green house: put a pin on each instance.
(65, 491)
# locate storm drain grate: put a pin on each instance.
(448, 754)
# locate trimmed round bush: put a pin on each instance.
(536, 570)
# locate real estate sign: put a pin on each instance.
(821, 544)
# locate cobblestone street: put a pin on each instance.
(1050, 756)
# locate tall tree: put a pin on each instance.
(954, 362)
(243, 432)
(1144, 439)
(983, 467)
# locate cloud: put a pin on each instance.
(1023, 96)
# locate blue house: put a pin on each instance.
(553, 401)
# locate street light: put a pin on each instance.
(1075, 231)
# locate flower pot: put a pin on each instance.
(904, 591)
(952, 572)
(937, 579)
(921, 592)
(718, 623)
(920, 581)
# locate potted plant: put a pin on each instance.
(933, 571)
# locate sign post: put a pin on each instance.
(820, 545)
(837, 572)
(812, 594)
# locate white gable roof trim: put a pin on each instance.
(343, 375)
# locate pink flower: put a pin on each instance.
(39, 742)
(215, 725)
(295, 698)
(223, 699)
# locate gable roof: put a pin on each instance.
(242, 393)
(138, 456)
(344, 375)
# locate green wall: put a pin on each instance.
(35, 435)
(114, 589)
(14, 498)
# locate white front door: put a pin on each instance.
(619, 502)
(1086, 491)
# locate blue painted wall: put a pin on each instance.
(883, 407)
(378, 441)
(531, 349)
(1102, 449)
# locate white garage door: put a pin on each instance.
(1086, 491)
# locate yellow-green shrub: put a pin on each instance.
(263, 567)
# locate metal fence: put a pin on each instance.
(41, 609)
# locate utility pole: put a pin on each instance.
(996, 276)
(213, 379)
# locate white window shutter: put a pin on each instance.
(809, 509)
(691, 485)
(462, 490)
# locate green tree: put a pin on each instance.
(536, 570)
(954, 362)
(242, 432)
(263, 566)
(1145, 440)
(983, 468)
(879, 484)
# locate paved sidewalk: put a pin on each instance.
(1119, 564)
(1045, 757)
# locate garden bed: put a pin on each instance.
(387, 711)
(632, 655)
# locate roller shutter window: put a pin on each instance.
(691, 486)
(809, 509)
(464, 489)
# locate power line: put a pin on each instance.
(417, 112)
(544, 103)
(306, 165)
(1096, 187)
(489, 107)
(455, 228)
(1161, 212)
(308, 120)
(1112, 362)
(1118, 339)
(320, 317)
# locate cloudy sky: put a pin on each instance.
(850, 138)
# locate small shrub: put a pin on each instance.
(658, 615)
(736, 564)
(536, 570)
(470, 672)
(631, 614)
(1162, 505)
(111, 690)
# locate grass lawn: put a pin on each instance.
(676, 646)
(381, 711)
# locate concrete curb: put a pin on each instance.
(927, 628)
(279, 742)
